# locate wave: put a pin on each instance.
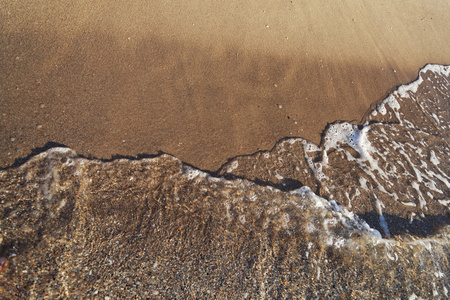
(362, 215)
(394, 168)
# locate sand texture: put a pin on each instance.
(327, 179)
(202, 80)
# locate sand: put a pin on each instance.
(202, 80)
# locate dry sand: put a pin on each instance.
(202, 80)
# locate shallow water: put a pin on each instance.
(365, 214)
(394, 168)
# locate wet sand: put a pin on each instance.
(202, 81)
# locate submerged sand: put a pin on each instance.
(203, 81)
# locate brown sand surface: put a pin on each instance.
(202, 80)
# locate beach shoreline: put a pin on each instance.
(112, 80)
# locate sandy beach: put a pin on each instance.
(201, 80)
(351, 100)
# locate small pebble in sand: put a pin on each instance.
(3, 264)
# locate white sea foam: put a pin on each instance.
(405, 90)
